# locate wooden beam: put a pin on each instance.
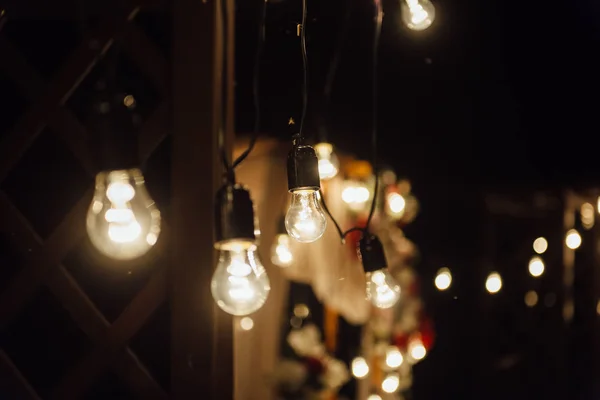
(201, 334)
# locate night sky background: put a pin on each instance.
(495, 97)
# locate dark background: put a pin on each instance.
(495, 97)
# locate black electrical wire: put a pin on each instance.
(302, 32)
(256, 83)
(375, 105)
(230, 168)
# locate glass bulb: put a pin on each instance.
(382, 289)
(328, 161)
(417, 14)
(240, 285)
(281, 252)
(123, 222)
(305, 221)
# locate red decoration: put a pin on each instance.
(401, 341)
(427, 333)
(314, 365)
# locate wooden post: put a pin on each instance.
(202, 351)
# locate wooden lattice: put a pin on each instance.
(44, 257)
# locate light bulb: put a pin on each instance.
(443, 279)
(122, 222)
(417, 14)
(391, 383)
(493, 284)
(305, 221)
(393, 357)
(416, 350)
(360, 367)
(573, 239)
(240, 284)
(536, 266)
(356, 194)
(281, 252)
(382, 289)
(328, 161)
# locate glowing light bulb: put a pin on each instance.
(360, 367)
(240, 285)
(374, 397)
(356, 195)
(536, 266)
(443, 279)
(328, 161)
(391, 383)
(493, 284)
(281, 252)
(417, 14)
(122, 222)
(382, 289)
(393, 357)
(246, 323)
(416, 350)
(573, 239)
(305, 221)
(396, 204)
(540, 245)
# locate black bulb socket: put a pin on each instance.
(370, 251)
(303, 168)
(234, 218)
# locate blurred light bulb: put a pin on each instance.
(246, 323)
(416, 350)
(122, 222)
(356, 195)
(360, 368)
(382, 289)
(587, 215)
(540, 245)
(536, 266)
(396, 204)
(391, 383)
(531, 298)
(240, 285)
(281, 251)
(417, 14)
(493, 284)
(374, 397)
(443, 279)
(328, 161)
(393, 357)
(305, 221)
(573, 239)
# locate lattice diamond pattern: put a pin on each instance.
(108, 355)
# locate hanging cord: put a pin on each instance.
(375, 104)
(230, 168)
(302, 33)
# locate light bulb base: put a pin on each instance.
(370, 251)
(303, 168)
(234, 217)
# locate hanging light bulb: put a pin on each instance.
(356, 195)
(417, 14)
(328, 161)
(240, 285)
(305, 220)
(123, 221)
(391, 383)
(393, 357)
(382, 289)
(281, 250)
(360, 367)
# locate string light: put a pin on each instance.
(123, 221)
(328, 161)
(416, 349)
(493, 284)
(396, 204)
(304, 221)
(417, 14)
(391, 383)
(393, 357)
(246, 323)
(540, 245)
(382, 289)
(360, 367)
(443, 279)
(536, 266)
(573, 239)
(281, 250)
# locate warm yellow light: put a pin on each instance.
(391, 383)
(122, 221)
(417, 14)
(246, 323)
(493, 284)
(396, 204)
(536, 266)
(374, 397)
(531, 298)
(443, 279)
(573, 239)
(382, 289)
(540, 245)
(301, 310)
(360, 367)
(356, 195)
(587, 215)
(281, 251)
(328, 162)
(393, 357)
(416, 350)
